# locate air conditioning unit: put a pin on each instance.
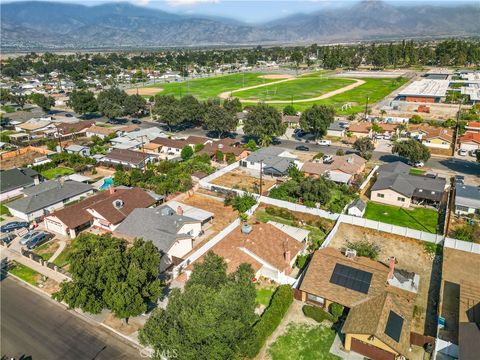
(350, 253)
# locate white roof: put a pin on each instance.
(126, 145)
(190, 211)
(75, 147)
(77, 177)
(338, 176)
(296, 233)
(473, 90)
(426, 87)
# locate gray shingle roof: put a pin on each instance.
(394, 167)
(336, 126)
(359, 204)
(467, 195)
(160, 225)
(48, 193)
(272, 162)
(15, 178)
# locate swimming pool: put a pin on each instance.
(107, 182)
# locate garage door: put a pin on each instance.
(370, 351)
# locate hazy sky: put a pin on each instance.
(251, 11)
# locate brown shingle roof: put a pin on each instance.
(211, 149)
(172, 143)
(432, 132)
(291, 119)
(371, 317)
(71, 128)
(196, 140)
(319, 272)
(362, 127)
(101, 130)
(265, 241)
(130, 156)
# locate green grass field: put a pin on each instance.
(205, 88)
(304, 342)
(264, 294)
(24, 273)
(53, 173)
(414, 218)
(301, 88)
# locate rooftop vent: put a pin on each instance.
(246, 229)
(166, 211)
(118, 204)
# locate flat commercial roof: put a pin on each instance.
(426, 88)
(473, 90)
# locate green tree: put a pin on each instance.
(220, 120)
(412, 150)
(83, 102)
(415, 119)
(187, 152)
(233, 106)
(317, 119)
(210, 319)
(45, 102)
(219, 155)
(134, 105)
(364, 146)
(263, 120)
(111, 102)
(192, 110)
(252, 145)
(289, 110)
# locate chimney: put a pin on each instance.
(287, 254)
(179, 210)
(111, 190)
(391, 265)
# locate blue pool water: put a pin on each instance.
(107, 182)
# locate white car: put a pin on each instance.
(387, 137)
(462, 152)
(324, 142)
(419, 164)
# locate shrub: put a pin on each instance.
(364, 248)
(199, 147)
(416, 119)
(187, 152)
(340, 152)
(319, 155)
(219, 155)
(271, 318)
(336, 310)
(230, 158)
(243, 203)
(316, 313)
(302, 261)
(280, 212)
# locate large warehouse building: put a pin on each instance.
(425, 90)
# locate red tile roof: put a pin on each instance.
(470, 137)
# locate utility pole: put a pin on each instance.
(143, 152)
(261, 177)
(366, 108)
(457, 125)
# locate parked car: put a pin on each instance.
(302, 148)
(474, 152)
(7, 238)
(136, 121)
(462, 152)
(387, 137)
(324, 142)
(418, 164)
(68, 115)
(38, 239)
(378, 136)
(13, 225)
(459, 179)
(27, 237)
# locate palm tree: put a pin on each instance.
(383, 113)
(265, 140)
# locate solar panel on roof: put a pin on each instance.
(394, 326)
(351, 278)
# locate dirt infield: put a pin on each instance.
(276, 76)
(144, 91)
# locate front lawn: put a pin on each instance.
(414, 218)
(415, 171)
(25, 273)
(4, 210)
(264, 294)
(304, 342)
(58, 171)
(62, 259)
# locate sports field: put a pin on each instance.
(296, 89)
(204, 88)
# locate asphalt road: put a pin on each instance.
(37, 328)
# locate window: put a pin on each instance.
(380, 195)
(315, 298)
(252, 162)
(462, 208)
(401, 199)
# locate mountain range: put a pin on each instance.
(38, 25)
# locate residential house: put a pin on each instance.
(78, 128)
(170, 147)
(337, 129)
(142, 136)
(470, 141)
(44, 198)
(211, 150)
(100, 131)
(400, 188)
(357, 208)
(473, 126)
(105, 210)
(432, 137)
(292, 121)
(269, 249)
(360, 129)
(467, 199)
(170, 230)
(341, 169)
(459, 315)
(78, 149)
(201, 215)
(272, 161)
(380, 299)
(36, 127)
(128, 158)
(13, 181)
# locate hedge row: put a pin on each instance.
(271, 318)
(316, 313)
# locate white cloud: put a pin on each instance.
(189, 2)
(140, 2)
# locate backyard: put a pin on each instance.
(238, 179)
(415, 218)
(302, 341)
(56, 172)
(264, 294)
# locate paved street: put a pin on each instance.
(35, 326)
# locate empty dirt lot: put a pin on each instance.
(411, 256)
(238, 179)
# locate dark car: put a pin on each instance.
(136, 121)
(38, 239)
(13, 225)
(7, 238)
(28, 236)
(68, 115)
(302, 148)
